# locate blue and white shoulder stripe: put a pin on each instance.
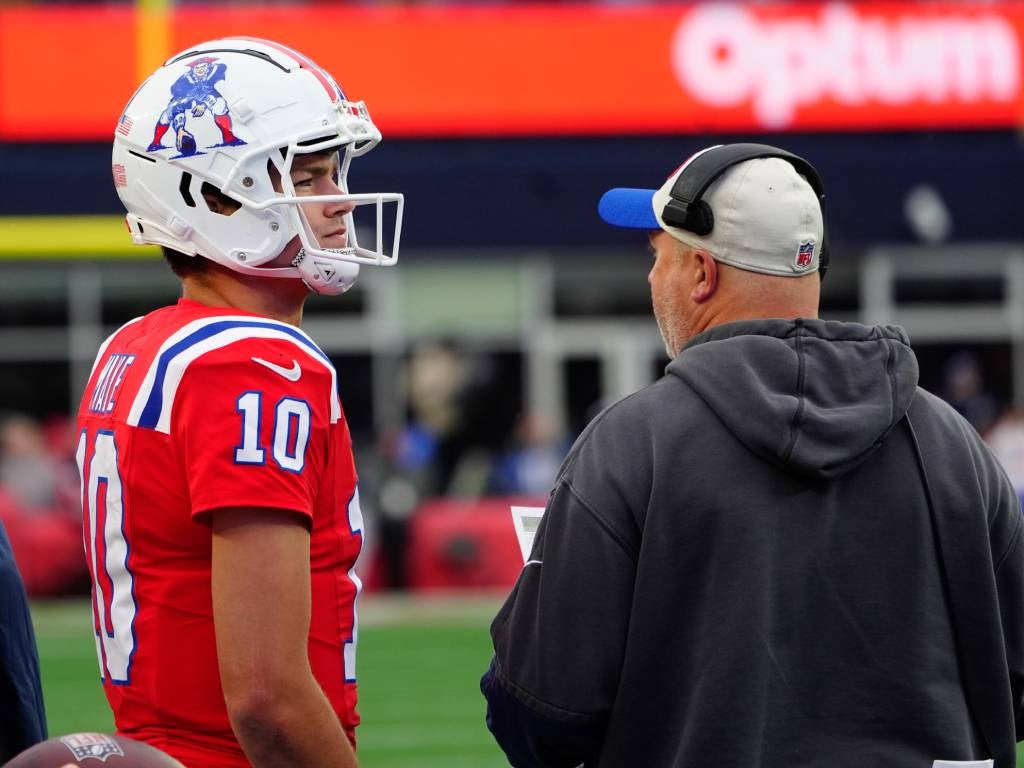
(151, 408)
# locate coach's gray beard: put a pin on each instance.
(675, 330)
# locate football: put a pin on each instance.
(92, 750)
(187, 143)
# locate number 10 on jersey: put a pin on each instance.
(113, 601)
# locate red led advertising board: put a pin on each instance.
(530, 69)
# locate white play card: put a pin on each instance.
(526, 520)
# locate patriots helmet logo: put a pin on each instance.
(195, 97)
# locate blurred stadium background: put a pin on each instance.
(514, 314)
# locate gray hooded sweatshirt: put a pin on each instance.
(738, 567)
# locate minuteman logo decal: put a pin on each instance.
(194, 97)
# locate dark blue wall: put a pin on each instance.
(510, 192)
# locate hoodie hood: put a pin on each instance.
(813, 396)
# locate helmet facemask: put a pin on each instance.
(324, 269)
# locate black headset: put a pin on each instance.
(688, 211)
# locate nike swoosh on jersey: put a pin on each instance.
(292, 374)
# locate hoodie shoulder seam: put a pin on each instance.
(794, 424)
(1012, 544)
(604, 524)
(890, 360)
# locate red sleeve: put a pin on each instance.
(251, 424)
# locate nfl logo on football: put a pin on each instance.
(804, 255)
(97, 746)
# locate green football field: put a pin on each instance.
(419, 663)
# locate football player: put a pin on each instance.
(221, 515)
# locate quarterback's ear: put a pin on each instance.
(217, 201)
(705, 274)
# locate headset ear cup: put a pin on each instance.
(695, 217)
(676, 214)
(701, 220)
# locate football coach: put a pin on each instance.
(782, 553)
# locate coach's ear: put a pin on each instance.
(705, 275)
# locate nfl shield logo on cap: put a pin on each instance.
(804, 255)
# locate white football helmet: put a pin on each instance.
(226, 112)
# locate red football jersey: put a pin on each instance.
(189, 409)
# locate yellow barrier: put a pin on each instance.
(64, 237)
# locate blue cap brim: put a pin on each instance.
(629, 208)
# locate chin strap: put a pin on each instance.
(327, 272)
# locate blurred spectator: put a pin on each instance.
(964, 389)
(1006, 439)
(27, 469)
(461, 409)
(404, 475)
(436, 380)
(529, 467)
(39, 506)
(40, 479)
(417, 462)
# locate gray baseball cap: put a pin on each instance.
(767, 217)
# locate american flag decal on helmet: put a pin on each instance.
(124, 125)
